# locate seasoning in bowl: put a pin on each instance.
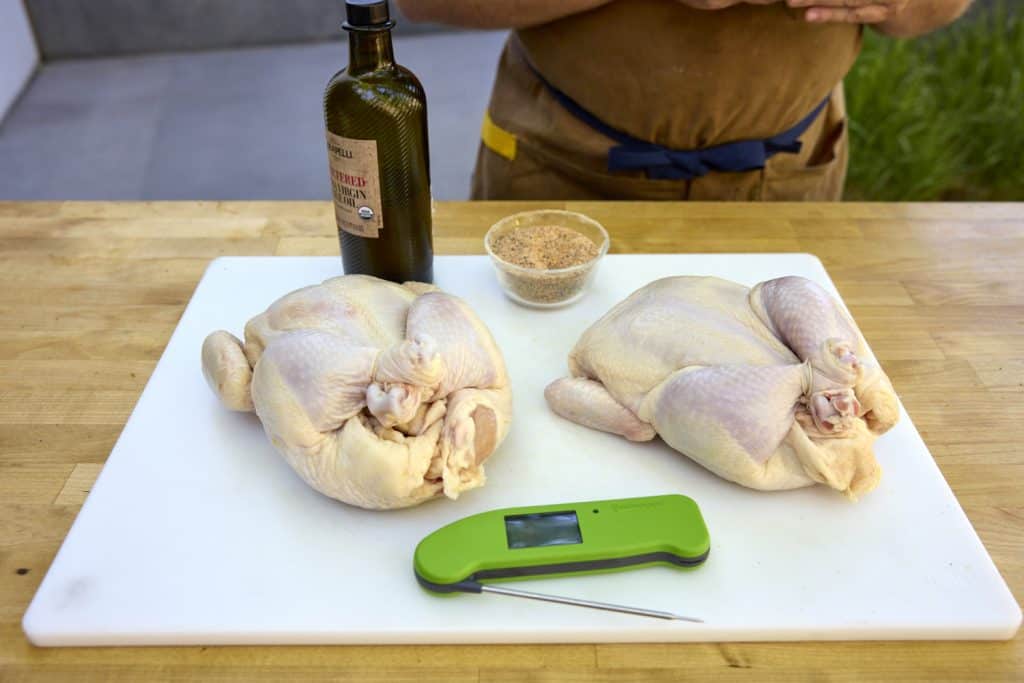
(544, 247)
(545, 258)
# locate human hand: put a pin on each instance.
(850, 11)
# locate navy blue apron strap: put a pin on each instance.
(585, 116)
(664, 163)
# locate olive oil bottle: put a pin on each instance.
(376, 117)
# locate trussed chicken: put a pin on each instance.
(771, 387)
(378, 394)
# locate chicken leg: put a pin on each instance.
(819, 331)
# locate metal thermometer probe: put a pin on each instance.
(607, 606)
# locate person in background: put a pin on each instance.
(673, 99)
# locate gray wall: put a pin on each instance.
(90, 28)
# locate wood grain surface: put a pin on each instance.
(90, 293)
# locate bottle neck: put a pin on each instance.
(369, 51)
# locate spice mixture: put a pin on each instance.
(544, 247)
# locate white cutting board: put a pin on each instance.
(197, 532)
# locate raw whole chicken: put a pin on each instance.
(378, 394)
(771, 387)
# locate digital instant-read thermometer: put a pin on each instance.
(562, 540)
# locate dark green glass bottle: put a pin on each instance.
(376, 117)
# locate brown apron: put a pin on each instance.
(665, 73)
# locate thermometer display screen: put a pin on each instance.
(543, 528)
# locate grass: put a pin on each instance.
(940, 117)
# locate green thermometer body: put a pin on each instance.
(569, 538)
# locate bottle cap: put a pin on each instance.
(367, 15)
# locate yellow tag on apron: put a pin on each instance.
(497, 139)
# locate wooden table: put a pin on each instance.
(90, 293)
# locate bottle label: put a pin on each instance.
(355, 183)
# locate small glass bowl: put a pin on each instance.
(551, 287)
